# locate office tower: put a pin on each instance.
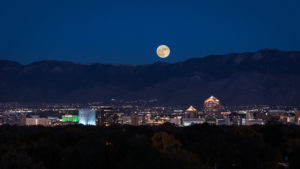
(87, 117)
(212, 107)
(191, 112)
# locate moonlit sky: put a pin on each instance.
(128, 32)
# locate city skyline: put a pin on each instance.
(210, 112)
(159, 84)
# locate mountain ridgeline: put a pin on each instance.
(263, 77)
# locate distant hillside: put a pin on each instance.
(263, 77)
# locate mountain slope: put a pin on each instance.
(263, 77)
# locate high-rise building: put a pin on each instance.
(87, 117)
(191, 112)
(212, 107)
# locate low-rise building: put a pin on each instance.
(224, 121)
(36, 120)
(249, 122)
(190, 121)
(13, 118)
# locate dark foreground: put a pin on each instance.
(201, 147)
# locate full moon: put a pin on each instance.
(163, 51)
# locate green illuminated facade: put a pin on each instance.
(70, 118)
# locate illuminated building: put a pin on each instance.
(249, 122)
(212, 107)
(210, 120)
(36, 120)
(135, 119)
(87, 117)
(52, 120)
(221, 122)
(297, 117)
(249, 116)
(0, 118)
(126, 120)
(191, 112)
(191, 121)
(70, 118)
(291, 118)
(274, 115)
(236, 120)
(243, 121)
(13, 118)
(284, 118)
(107, 116)
(263, 116)
(113, 118)
(226, 113)
(176, 120)
(191, 117)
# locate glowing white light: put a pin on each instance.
(87, 117)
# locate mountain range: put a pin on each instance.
(264, 77)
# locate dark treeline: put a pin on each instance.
(145, 147)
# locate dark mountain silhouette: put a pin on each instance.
(263, 77)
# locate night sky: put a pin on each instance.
(128, 32)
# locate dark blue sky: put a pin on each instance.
(128, 32)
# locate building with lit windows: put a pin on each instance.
(249, 122)
(13, 118)
(191, 121)
(212, 107)
(0, 118)
(70, 118)
(126, 120)
(53, 120)
(135, 119)
(36, 121)
(223, 121)
(297, 117)
(191, 112)
(176, 120)
(87, 117)
(107, 115)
